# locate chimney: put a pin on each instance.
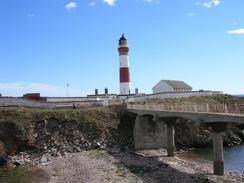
(106, 91)
(136, 91)
(96, 91)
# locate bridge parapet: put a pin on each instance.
(224, 109)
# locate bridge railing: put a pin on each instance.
(198, 108)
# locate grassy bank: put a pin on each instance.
(36, 128)
(55, 132)
(218, 99)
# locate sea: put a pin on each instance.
(233, 157)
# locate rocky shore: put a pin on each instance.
(112, 165)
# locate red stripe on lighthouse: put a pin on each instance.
(124, 75)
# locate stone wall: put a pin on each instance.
(10, 101)
(70, 99)
(13, 102)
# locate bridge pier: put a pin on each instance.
(218, 154)
(149, 133)
(170, 122)
(218, 149)
(170, 140)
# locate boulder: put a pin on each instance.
(45, 158)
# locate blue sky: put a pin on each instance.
(45, 44)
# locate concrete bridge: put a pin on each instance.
(154, 125)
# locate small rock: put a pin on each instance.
(64, 153)
(16, 163)
(78, 149)
(45, 158)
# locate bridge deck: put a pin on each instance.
(197, 114)
(224, 109)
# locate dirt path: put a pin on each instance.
(88, 167)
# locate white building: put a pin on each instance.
(171, 86)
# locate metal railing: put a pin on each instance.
(196, 108)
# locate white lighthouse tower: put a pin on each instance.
(124, 66)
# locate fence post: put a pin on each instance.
(207, 108)
(226, 110)
(195, 107)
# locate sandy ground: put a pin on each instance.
(108, 166)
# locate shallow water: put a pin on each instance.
(233, 157)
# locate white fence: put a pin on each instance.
(196, 108)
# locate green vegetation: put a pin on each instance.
(100, 154)
(121, 170)
(23, 175)
(25, 116)
(25, 123)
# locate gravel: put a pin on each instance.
(98, 166)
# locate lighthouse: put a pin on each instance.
(124, 66)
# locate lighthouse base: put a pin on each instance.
(125, 88)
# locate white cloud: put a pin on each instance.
(209, 3)
(20, 88)
(110, 2)
(151, 1)
(236, 31)
(30, 15)
(71, 5)
(113, 2)
(190, 14)
(92, 3)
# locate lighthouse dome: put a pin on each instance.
(122, 37)
(123, 40)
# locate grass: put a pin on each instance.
(23, 175)
(199, 99)
(26, 116)
(100, 154)
(121, 170)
